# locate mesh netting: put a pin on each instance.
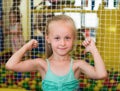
(98, 19)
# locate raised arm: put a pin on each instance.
(15, 63)
(95, 72)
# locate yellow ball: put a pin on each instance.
(27, 79)
(32, 86)
(99, 81)
(34, 82)
(112, 81)
(118, 86)
(4, 85)
(109, 89)
(3, 75)
(40, 83)
(99, 85)
(88, 85)
(96, 88)
(14, 86)
(38, 74)
(85, 81)
(9, 81)
(20, 83)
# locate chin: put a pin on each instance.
(63, 54)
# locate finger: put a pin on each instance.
(84, 43)
(35, 45)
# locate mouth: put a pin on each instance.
(62, 48)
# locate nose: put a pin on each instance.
(62, 42)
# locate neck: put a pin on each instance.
(60, 58)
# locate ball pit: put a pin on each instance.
(32, 81)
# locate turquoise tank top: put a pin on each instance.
(52, 82)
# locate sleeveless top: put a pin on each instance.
(52, 82)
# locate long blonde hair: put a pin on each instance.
(64, 18)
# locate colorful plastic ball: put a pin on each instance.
(38, 88)
(118, 86)
(26, 79)
(85, 81)
(32, 87)
(27, 74)
(20, 83)
(19, 75)
(15, 86)
(38, 80)
(118, 79)
(104, 88)
(96, 88)
(88, 85)
(109, 89)
(82, 85)
(25, 85)
(38, 74)
(114, 88)
(99, 85)
(33, 82)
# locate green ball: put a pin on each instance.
(25, 85)
(114, 88)
(104, 88)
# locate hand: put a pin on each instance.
(32, 44)
(89, 45)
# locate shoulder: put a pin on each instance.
(41, 62)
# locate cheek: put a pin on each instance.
(53, 43)
(70, 43)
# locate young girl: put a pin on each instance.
(15, 29)
(59, 71)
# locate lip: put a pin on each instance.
(62, 48)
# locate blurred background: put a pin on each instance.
(22, 20)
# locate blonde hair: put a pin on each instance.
(64, 18)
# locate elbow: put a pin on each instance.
(103, 76)
(8, 67)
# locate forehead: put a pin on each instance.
(60, 27)
(60, 22)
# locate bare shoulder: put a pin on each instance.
(41, 62)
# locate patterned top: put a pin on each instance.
(52, 82)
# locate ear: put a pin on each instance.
(47, 39)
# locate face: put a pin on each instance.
(12, 18)
(60, 37)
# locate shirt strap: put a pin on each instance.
(71, 63)
(48, 63)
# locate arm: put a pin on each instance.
(98, 71)
(15, 63)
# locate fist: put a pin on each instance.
(89, 45)
(32, 44)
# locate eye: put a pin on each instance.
(57, 38)
(67, 37)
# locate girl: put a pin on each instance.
(59, 71)
(15, 29)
